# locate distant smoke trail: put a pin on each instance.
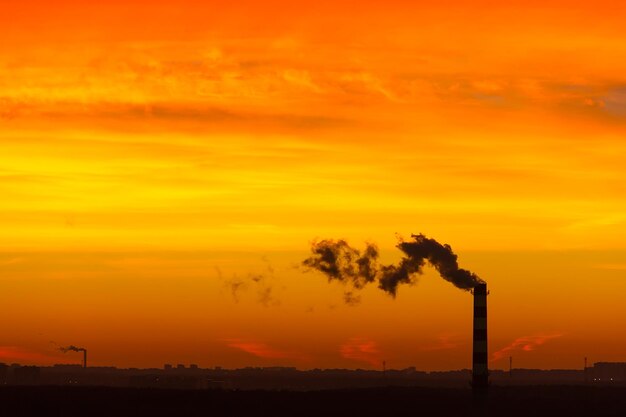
(339, 261)
(72, 348)
(266, 292)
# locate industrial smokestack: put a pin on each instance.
(480, 372)
(73, 348)
(341, 262)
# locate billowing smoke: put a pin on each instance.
(72, 348)
(339, 261)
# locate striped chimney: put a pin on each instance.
(480, 372)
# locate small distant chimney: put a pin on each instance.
(84, 358)
(480, 371)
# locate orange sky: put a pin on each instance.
(157, 155)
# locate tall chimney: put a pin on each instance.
(480, 372)
(84, 358)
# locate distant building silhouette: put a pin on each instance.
(289, 378)
(4, 373)
(26, 375)
(609, 372)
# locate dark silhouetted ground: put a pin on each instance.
(381, 402)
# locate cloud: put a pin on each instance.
(26, 356)
(615, 101)
(180, 116)
(524, 344)
(361, 350)
(443, 342)
(262, 350)
(10, 109)
(223, 79)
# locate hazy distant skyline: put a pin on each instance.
(165, 166)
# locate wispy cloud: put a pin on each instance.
(525, 344)
(361, 350)
(262, 350)
(605, 220)
(27, 356)
(443, 342)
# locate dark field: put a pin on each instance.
(502, 401)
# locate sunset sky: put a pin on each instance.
(165, 166)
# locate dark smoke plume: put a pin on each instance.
(72, 348)
(350, 298)
(339, 261)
